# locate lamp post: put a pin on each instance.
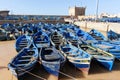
(97, 10)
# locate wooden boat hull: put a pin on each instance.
(24, 62)
(22, 42)
(110, 48)
(78, 58)
(82, 65)
(116, 54)
(56, 39)
(3, 35)
(107, 63)
(84, 35)
(113, 35)
(41, 39)
(116, 42)
(52, 67)
(52, 60)
(97, 35)
(103, 57)
(18, 72)
(85, 71)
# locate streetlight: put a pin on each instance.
(97, 10)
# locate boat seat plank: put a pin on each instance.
(26, 56)
(24, 60)
(22, 43)
(41, 42)
(21, 65)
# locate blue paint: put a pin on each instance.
(81, 65)
(52, 68)
(107, 64)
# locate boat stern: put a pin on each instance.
(12, 70)
(83, 65)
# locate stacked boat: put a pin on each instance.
(72, 38)
(56, 39)
(24, 61)
(113, 35)
(77, 57)
(22, 42)
(103, 57)
(97, 35)
(3, 35)
(112, 45)
(8, 32)
(111, 48)
(41, 39)
(52, 60)
(51, 45)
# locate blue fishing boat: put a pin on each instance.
(56, 39)
(3, 35)
(22, 42)
(15, 33)
(41, 39)
(113, 35)
(51, 60)
(79, 58)
(111, 48)
(24, 61)
(7, 26)
(72, 38)
(103, 57)
(97, 35)
(84, 36)
(115, 42)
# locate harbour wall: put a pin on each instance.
(31, 21)
(103, 27)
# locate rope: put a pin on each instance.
(67, 75)
(27, 72)
(62, 72)
(41, 77)
(33, 74)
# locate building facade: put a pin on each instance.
(4, 13)
(77, 11)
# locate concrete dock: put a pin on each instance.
(103, 27)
